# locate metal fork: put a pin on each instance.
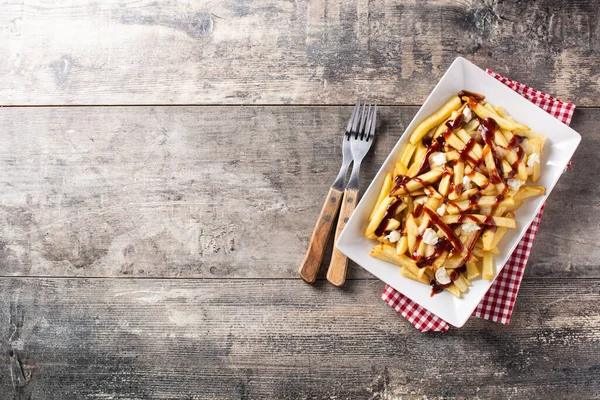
(360, 141)
(314, 254)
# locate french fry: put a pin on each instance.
(407, 154)
(525, 192)
(480, 219)
(393, 224)
(466, 194)
(412, 231)
(459, 171)
(385, 190)
(435, 119)
(408, 274)
(487, 269)
(467, 280)
(454, 290)
(456, 143)
(454, 262)
(491, 108)
(492, 170)
(488, 237)
(415, 166)
(508, 135)
(500, 140)
(465, 138)
(418, 182)
(522, 170)
(402, 245)
(420, 252)
(472, 270)
(483, 201)
(504, 123)
(378, 214)
(389, 252)
(528, 134)
(432, 195)
(400, 170)
(461, 284)
(440, 261)
(444, 186)
(501, 112)
(542, 142)
(506, 169)
(498, 236)
(478, 178)
(429, 274)
(452, 155)
(526, 146)
(410, 203)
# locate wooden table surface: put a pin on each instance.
(162, 165)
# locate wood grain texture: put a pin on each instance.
(231, 193)
(216, 192)
(309, 269)
(251, 339)
(287, 52)
(336, 273)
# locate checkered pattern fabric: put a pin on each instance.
(499, 301)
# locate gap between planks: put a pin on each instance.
(183, 278)
(221, 105)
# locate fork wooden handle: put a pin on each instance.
(314, 255)
(336, 274)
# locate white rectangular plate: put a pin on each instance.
(560, 146)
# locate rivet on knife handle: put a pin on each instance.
(336, 274)
(314, 255)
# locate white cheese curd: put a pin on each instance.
(393, 236)
(420, 199)
(430, 237)
(466, 182)
(430, 251)
(533, 158)
(515, 184)
(467, 115)
(441, 276)
(437, 159)
(469, 227)
(441, 210)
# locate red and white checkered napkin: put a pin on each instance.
(499, 301)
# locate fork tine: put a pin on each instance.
(371, 126)
(364, 129)
(356, 119)
(363, 118)
(353, 116)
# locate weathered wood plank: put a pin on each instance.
(566, 244)
(250, 339)
(274, 52)
(214, 191)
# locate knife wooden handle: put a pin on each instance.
(314, 255)
(336, 274)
